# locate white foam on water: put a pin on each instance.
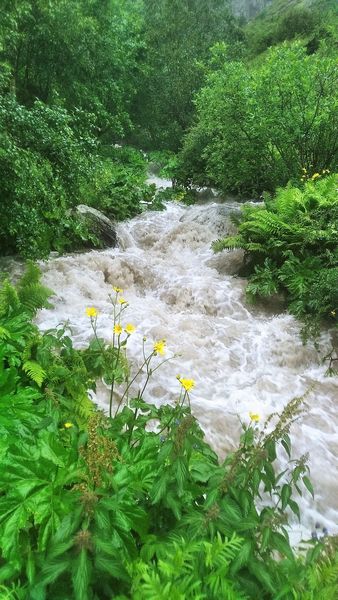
(242, 359)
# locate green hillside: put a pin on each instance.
(312, 20)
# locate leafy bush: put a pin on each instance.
(258, 126)
(118, 184)
(291, 244)
(269, 30)
(49, 163)
(42, 165)
(165, 161)
(68, 72)
(135, 505)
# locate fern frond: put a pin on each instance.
(34, 296)
(31, 275)
(34, 371)
(4, 333)
(83, 409)
(9, 299)
(289, 202)
(228, 243)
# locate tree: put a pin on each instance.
(77, 53)
(259, 127)
(178, 35)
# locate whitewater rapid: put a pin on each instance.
(243, 359)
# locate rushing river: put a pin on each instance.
(242, 358)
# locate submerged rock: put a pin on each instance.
(99, 224)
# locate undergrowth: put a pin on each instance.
(136, 504)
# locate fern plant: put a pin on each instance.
(29, 296)
(291, 248)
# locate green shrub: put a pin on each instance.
(118, 183)
(258, 126)
(49, 163)
(42, 165)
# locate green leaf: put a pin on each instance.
(280, 543)
(112, 567)
(52, 569)
(308, 485)
(286, 494)
(261, 572)
(295, 508)
(34, 371)
(181, 469)
(270, 446)
(266, 537)
(81, 576)
(201, 470)
(286, 443)
(243, 557)
(231, 511)
(4, 333)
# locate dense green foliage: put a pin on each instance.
(137, 505)
(67, 79)
(78, 77)
(177, 36)
(285, 20)
(78, 53)
(291, 245)
(49, 164)
(257, 127)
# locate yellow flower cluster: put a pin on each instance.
(187, 384)
(129, 329)
(118, 290)
(160, 347)
(68, 425)
(254, 417)
(91, 312)
(314, 176)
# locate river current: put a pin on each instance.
(242, 358)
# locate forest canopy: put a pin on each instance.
(135, 504)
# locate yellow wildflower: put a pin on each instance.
(254, 417)
(315, 176)
(129, 328)
(91, 312)
(122, 301)
(118, 329)
(118, 290)
(159, 347)
(187, 384)
(304, 170)
(68, 425)
(333, 313)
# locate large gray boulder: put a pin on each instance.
(100, 225)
